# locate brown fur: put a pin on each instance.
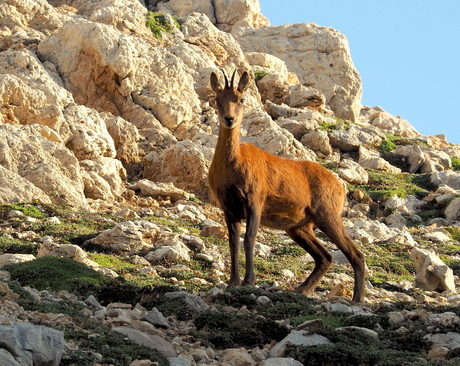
(263, 189)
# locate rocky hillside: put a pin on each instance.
(107, 131)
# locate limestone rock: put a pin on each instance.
(372, 160)
(283, 110)
(14, 189)
(152, 189)
(156, 318)
(89, 136)
(260, 130)
(392, 125)
(365, 332)
(224, 13)
(274, 88)
(237, 356)
(125, 137)
(374, 231)
(213, 229)
(353, 138)
(61, 250)
(10, 258)
(306, 97)
(307, 48)
(149, 340)
(406, 205)
(181, 9)
(128, 237)
(193, 303)
(414, 155)
(437, 237)
(396, 220)
(298, 338)
(268, 62)
(124, 15)
(449, 340)
(32, 344)
(317, 141)
(431, 273)
(174, 251)
(299, 122)
(231, 12)
(30, 91)
(46, 164)
(121, 74)
(449, 178)
(437, 141)
(278, 361)
(352, 172)
(185, 164)
(452, 211)
(438, 158)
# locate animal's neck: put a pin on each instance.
(228, 144)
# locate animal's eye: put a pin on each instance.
(241, 100)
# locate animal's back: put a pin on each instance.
(293, 191)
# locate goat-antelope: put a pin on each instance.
(263, 189)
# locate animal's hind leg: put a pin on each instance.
(335, 230)
(305, 237)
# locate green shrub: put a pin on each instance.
(455, 164)
(225, 330)
(258, 75)
(351, 348)
(28, 209)
(11, 245)
(159, 23)
(387, 146)
(328, 127)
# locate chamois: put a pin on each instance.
(263, 189)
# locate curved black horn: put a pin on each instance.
(226, 79)
(233, 78)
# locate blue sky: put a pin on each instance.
(406, 51)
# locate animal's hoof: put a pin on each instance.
(302, 290)
(248, 283)
(234, 284)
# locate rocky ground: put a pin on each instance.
(144, 279)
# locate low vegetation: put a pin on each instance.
(258, 75)
(455, 164)
(384, 185)
(160, 23)
(388, 265)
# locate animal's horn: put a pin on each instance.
(233, 78)
(226, 79)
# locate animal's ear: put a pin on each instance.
(215, 85)
(244, 82)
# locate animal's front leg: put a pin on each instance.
(234, 231)
(252, 225)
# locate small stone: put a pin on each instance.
(263, 300)
(156, 318)
(368, 333)
(311, 325)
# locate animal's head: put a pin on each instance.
(229, 99)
